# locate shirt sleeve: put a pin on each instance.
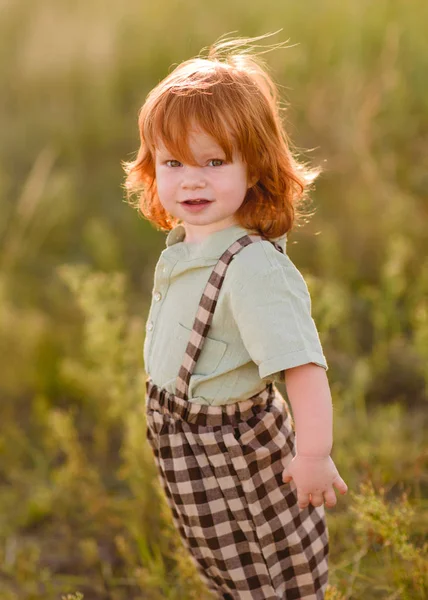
(273, 314)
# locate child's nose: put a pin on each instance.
(193, 179)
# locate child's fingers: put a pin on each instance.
(286, 478)
(330, 498)
(340, 485)
(302, 499)
(317, 499)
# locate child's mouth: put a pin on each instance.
(197, 202)
(195, 205)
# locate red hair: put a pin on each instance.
(233, 99)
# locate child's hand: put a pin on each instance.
(314, 478)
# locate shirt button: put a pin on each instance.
(150, 325)
(157, 296)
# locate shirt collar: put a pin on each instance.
(213, 246)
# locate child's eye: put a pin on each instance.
(216, 161)
(173, 163)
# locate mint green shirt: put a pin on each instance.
(262, 322)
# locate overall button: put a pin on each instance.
(157, 296)
(150, 325)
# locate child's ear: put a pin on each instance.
(252, 181)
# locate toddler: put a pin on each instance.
(230, 315)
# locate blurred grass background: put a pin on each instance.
(81, 510)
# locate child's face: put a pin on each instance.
(223, 184)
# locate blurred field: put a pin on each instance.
(81, 511)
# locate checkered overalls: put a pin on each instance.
(221, 470)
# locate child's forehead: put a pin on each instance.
(187, 126)
(198, 141)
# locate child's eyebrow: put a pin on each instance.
(206, 154)
(162, 151)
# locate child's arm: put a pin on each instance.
(312, 468)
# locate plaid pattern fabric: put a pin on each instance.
(221, 470)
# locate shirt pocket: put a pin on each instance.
(211, 355)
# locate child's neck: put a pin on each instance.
(199, 235)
